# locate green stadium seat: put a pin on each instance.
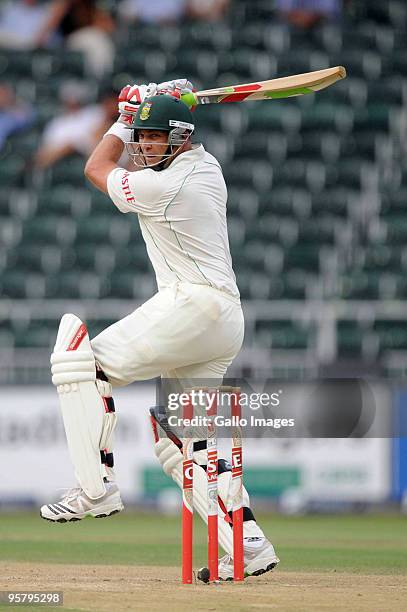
(63, 199)
(26, 258)
(295, 62)
(298, 284)
(359, 285)
(12, 171)
(392, 334)
(270, 228)
(97, 259)
(7, 338)
(252, 36)
(236, 230)
(319, 230)
(254, 144)
(243, 281)
(209, 117)
(399, 62)
(48, 90)
(394, 203)
(70, 170)
(267, 116)
(389, 91)
(357, 62)
(350, 337)
(77, 285)
(396, 226)
(5, 208)
(48, 229)
(325, 146)
(282, 334)
(285, 201)
(95, 326)
(13, 284)
(304, 257)
(246, 173)
(143, 36)
(322, 116)
(369, 144)
(94, 230)
(47, 64)
(253, 255)
(394, 286)
(17, 284)
(129, 60)
(250, 64)
(352, 92)
(302, 39)
(291, 286)
(100, 203)
(373, 117)
(130, 285)
(243, 202)
(36, 335)
(333, 202)
(16, 63)
(132, 258)
(24, 143)
(204, 35)
(263, 286)
(346, 173)
(383, 258)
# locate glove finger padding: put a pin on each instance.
(175, 88)
(130, 98)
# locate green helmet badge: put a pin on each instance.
(145, 111)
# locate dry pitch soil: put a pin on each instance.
(103, 588)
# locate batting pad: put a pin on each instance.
(83, 409)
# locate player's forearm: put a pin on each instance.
(103, 160)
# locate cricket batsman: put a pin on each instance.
(192, 328)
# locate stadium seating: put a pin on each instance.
(317, 186)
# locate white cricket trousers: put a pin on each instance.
(185, 331)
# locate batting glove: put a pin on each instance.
(175, 88)
(130, 98)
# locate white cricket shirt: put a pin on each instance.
(182, 215)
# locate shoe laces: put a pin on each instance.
(70, 493)
(226, 560)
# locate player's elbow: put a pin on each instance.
(96, 175)
(89, 170)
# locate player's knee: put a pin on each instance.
(72, 360)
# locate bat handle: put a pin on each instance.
(190, 99)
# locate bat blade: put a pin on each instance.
(285, 87)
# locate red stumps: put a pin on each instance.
(237, 479)
(209, 401)
(212, 476)
(187, 498)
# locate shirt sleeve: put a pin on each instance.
(140, 192)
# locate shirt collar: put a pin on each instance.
(196, 153)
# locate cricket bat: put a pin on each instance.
(285, 87)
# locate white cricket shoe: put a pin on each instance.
(74, 505)
(259, 557)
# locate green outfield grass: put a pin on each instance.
(362, 544)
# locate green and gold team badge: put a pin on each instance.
(145, 111)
